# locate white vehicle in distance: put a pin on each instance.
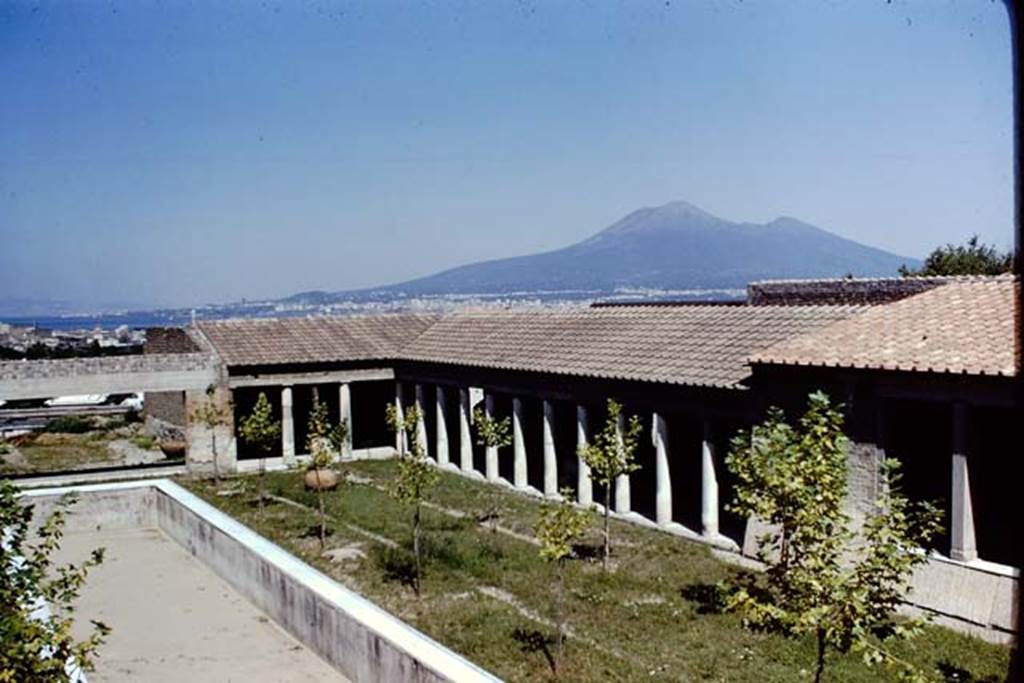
(79, 400)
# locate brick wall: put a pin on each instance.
(168, 340)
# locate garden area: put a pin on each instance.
(486, 592)
(83, 442)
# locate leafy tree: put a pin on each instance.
(559, 526)
(973, 258)
(324, 442)
(212, 414)
(491, 432)
(35, 646)
(262, 432)
(609, 456)
(416, 476)
(822, 578)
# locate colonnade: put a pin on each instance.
(288, 451)
(471, 397)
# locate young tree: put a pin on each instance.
(973, 258)
(491, 432)
(609, 456)
(34, 645)
(822, 578)
(325, 443)
(262, 432)
(496, 434)
(416, 476)
(559, 526)
(211, 414)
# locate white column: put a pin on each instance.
(584, 485)
(401, 442)
(421, 426)
(491, 453)
(345, 415)
(441, 449)
(287, 426)
(550, 457)
(519, 477)
(465, 435)
(663, 497)
(963, 546)
(623, 497)
(708, 485)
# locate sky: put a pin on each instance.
(179, 153)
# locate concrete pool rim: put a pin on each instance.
(423, 657)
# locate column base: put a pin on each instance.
(722, 542)
(677, 529)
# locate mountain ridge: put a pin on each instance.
(674, 246)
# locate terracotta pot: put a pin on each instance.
(173, 449)
(328, 480)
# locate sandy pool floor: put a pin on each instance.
(175, 620)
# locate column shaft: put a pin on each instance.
(663, 497)
(550, 455)
(345, 415)
(287, 426)
(421, 425)
(465, 435)
(584, 485)
(441, 449)
(963, 545)
(623, 496)
(709, 485)
(519, 477)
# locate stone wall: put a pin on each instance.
(168, 406)
(859, 292)
(22, 370)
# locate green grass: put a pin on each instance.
(647, 620)
(57, 452)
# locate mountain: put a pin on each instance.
(674, 246)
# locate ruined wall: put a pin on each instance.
(848, 292)
(168, 340)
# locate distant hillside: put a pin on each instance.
(675, 246)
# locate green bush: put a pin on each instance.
(70, 424)
(144, 442)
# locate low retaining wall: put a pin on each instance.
(359, 639)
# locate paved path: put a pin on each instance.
(174, 620)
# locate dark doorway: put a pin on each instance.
(920, 435)
(685, 439)
(369, 406)
(993, 437)
(564, 432)
(730, 524)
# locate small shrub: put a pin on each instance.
(70, 424)
(145, 442)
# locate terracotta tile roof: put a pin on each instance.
(695, 345)
(277, 341)
(966, 326)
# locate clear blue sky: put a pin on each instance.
(186, 152)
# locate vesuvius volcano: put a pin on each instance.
(674, 246)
